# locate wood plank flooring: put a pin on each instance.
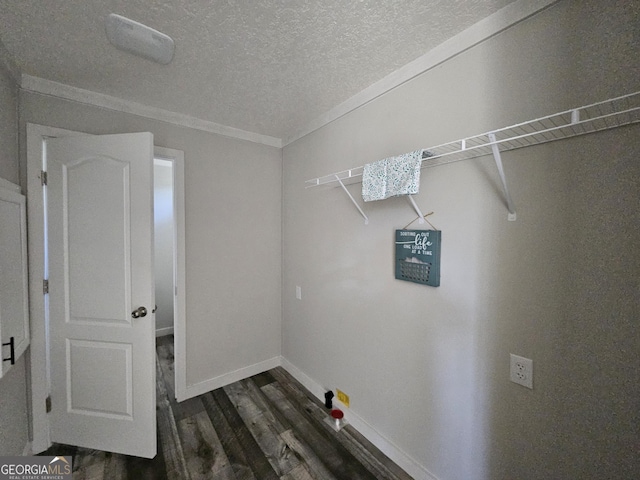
(267, 427)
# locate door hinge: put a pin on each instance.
(45, 286)
(43, 177)
(47, 404)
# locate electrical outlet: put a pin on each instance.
(342, 397)
(521, 371)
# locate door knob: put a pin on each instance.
(139, 312)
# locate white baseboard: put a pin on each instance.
(309, 383)
(402, 459)
(161, 332)
(227, 378)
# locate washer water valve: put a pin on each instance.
(336, 420)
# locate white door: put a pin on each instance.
(100, 243)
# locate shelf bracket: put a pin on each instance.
(366, 219)
(496, 156)
(416, 208)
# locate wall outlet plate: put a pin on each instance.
(342, 397)
(521, 371)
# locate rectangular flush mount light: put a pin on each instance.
(136, 38)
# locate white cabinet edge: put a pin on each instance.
(10, 193)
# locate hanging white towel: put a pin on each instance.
(374, 181)
(392, 176)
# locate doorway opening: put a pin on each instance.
(169, 244)
(164, 244)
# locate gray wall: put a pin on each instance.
(13, 387)
(429, 367)
(8, 126)
(233, 233)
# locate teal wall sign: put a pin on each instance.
(418, 256)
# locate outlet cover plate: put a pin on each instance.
(342, 397)
(521, 371)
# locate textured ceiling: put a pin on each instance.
(262, 66)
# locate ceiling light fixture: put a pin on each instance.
(136, 38)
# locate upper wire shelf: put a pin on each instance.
(612, 113)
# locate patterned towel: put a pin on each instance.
(392, 176)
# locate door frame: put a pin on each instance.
(38, 366)
(176, 157)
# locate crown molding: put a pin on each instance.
(504, 18)
(88, 97)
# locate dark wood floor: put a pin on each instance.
(267, 427)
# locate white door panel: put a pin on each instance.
(98, 187)
(100, 262)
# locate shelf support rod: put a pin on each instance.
(503, 178)
(416, 208)
(366, 219)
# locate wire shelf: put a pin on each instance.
(612, 113)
